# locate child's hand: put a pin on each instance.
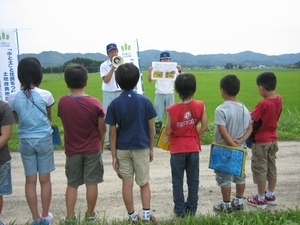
(178, 68)
(115, 164)
(151, 155)
(238, 142)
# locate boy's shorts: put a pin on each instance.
(225, 179)
(263, 162)
(5, 179)
(37, 155)
(135, 162)
(84, 169)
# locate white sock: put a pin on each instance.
(132, 216)
(227, 204)
(238, 201)
(46, 217)
(269, 193)
(146, 214)
(261, 197)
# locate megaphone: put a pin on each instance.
(117, 61)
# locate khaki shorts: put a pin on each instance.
(263, 162)
(84, 169)
(134, 163)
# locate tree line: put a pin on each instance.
(91, 65)
(297, 65)
(230, 66)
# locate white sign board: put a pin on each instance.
(164, 70)
(129, 52)
(9, 82)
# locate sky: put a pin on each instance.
(198, 27)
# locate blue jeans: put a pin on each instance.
(188, 162)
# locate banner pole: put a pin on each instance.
(17, 39)
(139, 62)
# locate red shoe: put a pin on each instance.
(271, 200)
(254, 201)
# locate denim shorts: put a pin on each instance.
(84, 169)
(5, 179)
(225, 179)
(37, 155)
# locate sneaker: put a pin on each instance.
(254, 201)
(36, 222)
(91, 218)
(138, 219)
(271, 200)
(219, 208)
(236, 207)
(152, 220)
(47, 220)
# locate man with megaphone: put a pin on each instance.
(110, 88)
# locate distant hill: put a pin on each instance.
(51, 58)
(246, 58)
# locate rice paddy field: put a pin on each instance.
(208, 90)
(288, 86)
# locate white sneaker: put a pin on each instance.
(91, 218)
(47, 220)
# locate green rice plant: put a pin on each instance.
(289, 125)
(208, 90)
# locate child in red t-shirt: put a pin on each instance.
(264, 148)
(181, 125)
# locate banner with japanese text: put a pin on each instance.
(129, 52)
(9, 82)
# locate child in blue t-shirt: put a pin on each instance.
(131, 133)
(32, 109)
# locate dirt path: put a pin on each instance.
(110, 204)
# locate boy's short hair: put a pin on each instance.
(267, 80)
(185, 85)
(30, 72)
(76, 76)
(127, 76)
(230, 84)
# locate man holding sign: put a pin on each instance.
(164, 87)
